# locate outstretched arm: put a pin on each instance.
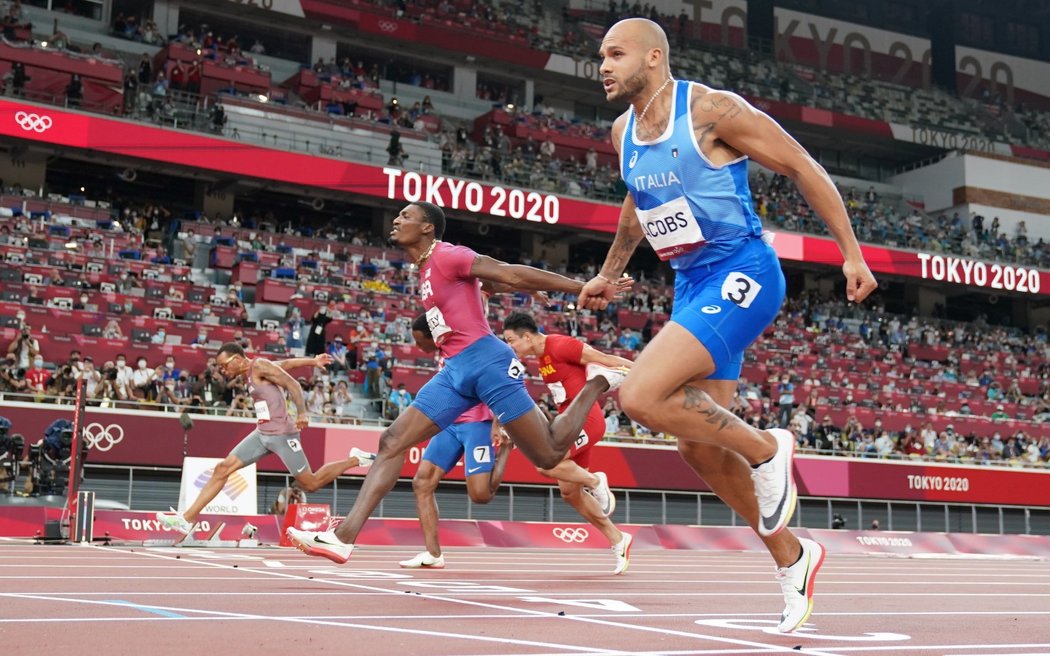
(729, 118)
(520, 277)
(593, 355)
(320, 360)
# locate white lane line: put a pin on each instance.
(911, 647)
(524, 611)
(269, 618)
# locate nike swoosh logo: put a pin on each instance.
(473, 469)
(802, 590)
(300, 470)
(770, 522)
(500, 416)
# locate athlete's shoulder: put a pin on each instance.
(707, 100)
(446, 250)
(618, 126)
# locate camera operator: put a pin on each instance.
(209, 390)
(10, 455)
(12, 377)
(91, 377)
(109, 388)
(64, 382)
(25, 347)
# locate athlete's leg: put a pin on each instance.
(423, 485)
(660, 393)
(567, 471)
(729, 476)
(545, 444)
(313, 481)
(410, 428)
(496, 475)
(587, 506)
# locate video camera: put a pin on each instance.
(50, 458)
(11, 447)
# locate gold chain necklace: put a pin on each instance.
(646, 108)
(423, 258)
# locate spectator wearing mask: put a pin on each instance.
(399, 399)
(337, 349)
(37, 378)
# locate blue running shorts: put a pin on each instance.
(728, 304)
(472, 441)
(484, 372)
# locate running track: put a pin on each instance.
(133, 600)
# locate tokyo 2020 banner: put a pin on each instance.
(56, 126)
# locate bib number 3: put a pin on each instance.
(740, 289)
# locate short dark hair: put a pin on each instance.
(233, 348)
(420, 324)
(433, 215)
(520, 322)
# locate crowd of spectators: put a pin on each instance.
(790, 394)
(876, 221)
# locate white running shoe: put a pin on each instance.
(622, 551)
(775, 486)
(176, 522)
(614, 375)
(424, 560)
(364, 458)
(797, 582)
(324, 544)
(602, 494)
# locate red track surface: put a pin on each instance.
(132, 600)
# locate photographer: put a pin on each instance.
(111, 387)
(91, 377)
(25, 347)
(12, 377)
(209, 390)
(64, 382)
(168, 396)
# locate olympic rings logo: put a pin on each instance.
(33, 122)
(103, 438)
(570, 534)
(388, 26)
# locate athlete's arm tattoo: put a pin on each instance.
(699, 401)
(713, 110)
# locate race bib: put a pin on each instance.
(557, 391)
(671, 228)
(482, 454)
(582, 440)
(741, 289)
(437, 325)
(516, 369)
(262, 411)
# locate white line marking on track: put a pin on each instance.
(669, 632)
(269, 618)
